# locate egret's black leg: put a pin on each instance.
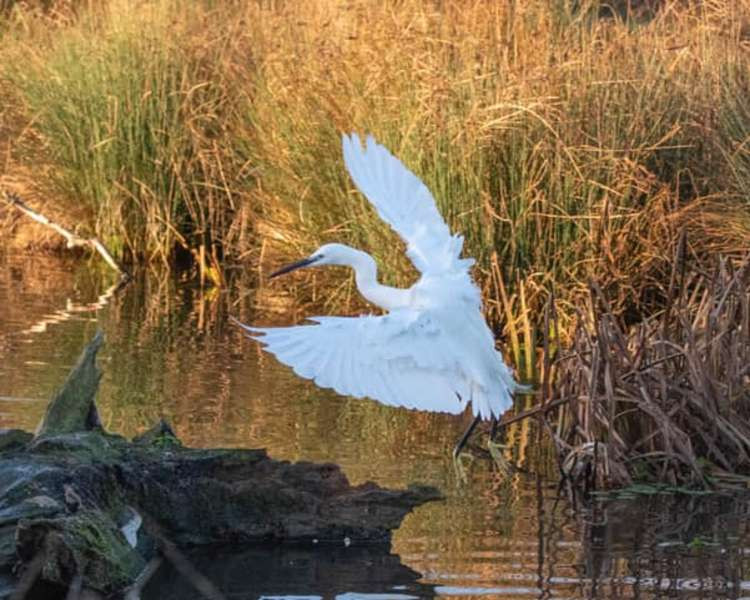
(465, 437)
(494, 426)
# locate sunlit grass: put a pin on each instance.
(134, 116)
(567, 146)
(564, 143)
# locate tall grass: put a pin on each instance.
(135, 118)
(563, 140)
(567, 146)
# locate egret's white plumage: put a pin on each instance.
(433, 349)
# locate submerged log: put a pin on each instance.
(73, 407)
(97, 508)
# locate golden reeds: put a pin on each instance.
(563, 145)
(563, 140)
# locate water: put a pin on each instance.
(171, 352)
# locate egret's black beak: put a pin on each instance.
(293, 267)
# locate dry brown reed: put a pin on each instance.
(666, 399)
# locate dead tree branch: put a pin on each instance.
(73, 240)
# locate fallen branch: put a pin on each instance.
(73, 240)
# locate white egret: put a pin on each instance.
(433, 349)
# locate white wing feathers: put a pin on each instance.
(405, 203)
(399, 359)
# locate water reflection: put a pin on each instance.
(172, 353)
(297, 572)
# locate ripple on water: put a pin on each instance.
(170, 352)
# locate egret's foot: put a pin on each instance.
(460, 462)
(496, 452)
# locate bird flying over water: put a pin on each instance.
(432, 350)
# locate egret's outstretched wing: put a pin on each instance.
(399, 359)
(405, 203)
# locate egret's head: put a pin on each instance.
(327, 254)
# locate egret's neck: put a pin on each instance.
(366, 272)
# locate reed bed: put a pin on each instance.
(131, 110)
(563, 145)
(565, 140)
(666, 399)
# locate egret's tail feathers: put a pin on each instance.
(491, 403)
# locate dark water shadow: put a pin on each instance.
(662, 545)
(321, 571)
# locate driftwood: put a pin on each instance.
(81, 508)
(72, 240)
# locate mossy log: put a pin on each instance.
(83, 505)
(73, 407)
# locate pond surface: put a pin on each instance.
(170, 352)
